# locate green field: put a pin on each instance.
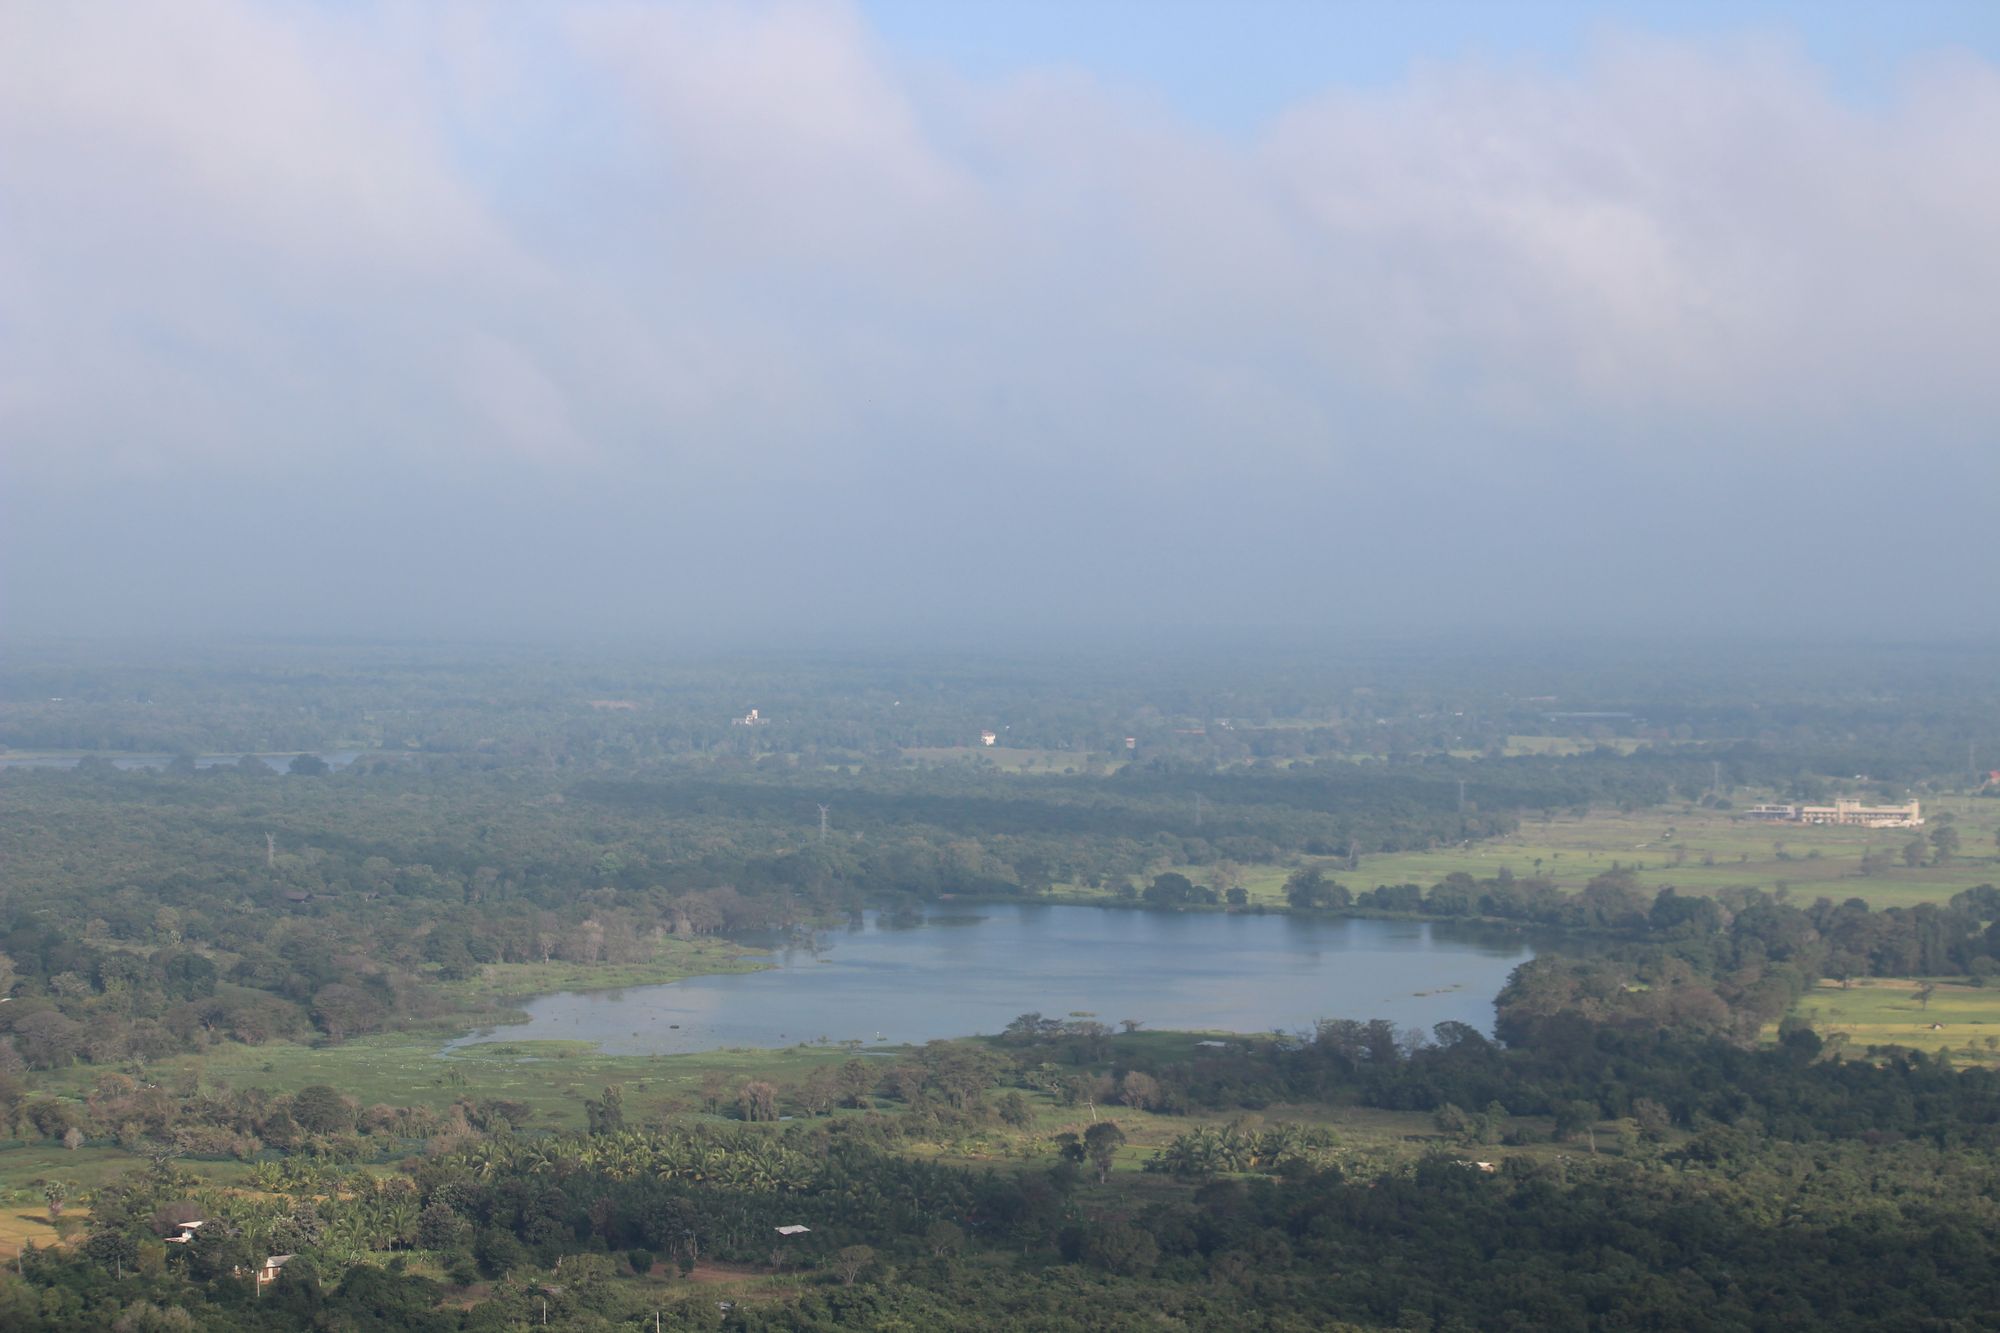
(673, 960)
(406, 1069)
(1703, 851)
(1009, 760)
(1881, 1011)
(1693, 849)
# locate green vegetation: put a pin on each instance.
(1942, 1015)
(1746, 1082)
(1695, 849)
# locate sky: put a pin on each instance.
(798, 322)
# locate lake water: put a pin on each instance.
(974, 970)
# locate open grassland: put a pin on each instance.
(1008, 760)
(1880, 1011)
(1703, 851)
(23, 1223)
(1560, 746)
(552, 1077)
(1695, 850)
(673, 960)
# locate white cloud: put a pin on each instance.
(703, 237)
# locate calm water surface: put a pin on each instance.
(974, 970)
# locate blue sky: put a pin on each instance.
(795, 316)
(1231, 67)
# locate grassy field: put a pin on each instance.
(1560, 746)
(1881, 1011)
(1009, 760)
(1693, 849)
(673, 960)
(406, 1069)
(1703, 851)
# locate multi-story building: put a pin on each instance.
(1844, 811)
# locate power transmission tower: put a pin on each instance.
(1197, 809)
(822, 823)
(1461, 796)
(1715, 785)
(270, 850)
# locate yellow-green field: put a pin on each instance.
(1016, 761)
(405, 1069)
(1702, 851)
(1561, 746)
(1693, 849)
(673, 960)
(1881, 1011)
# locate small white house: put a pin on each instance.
(988, 737)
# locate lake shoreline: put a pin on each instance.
(891, 982)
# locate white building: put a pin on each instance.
(1844, 811)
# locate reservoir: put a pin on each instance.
(970, 970)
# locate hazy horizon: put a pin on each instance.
(872, 323)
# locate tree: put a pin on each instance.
(1913, 853)
(606, 1114)
(308, 766)
(1100, 1145)
(1308, 888)
(821, 1092)
(1652, 1119)
(1138, 1090)
(1924, 993)
(1452, 1122)
(857, 1079)
(1944, 843)
(320, 1109)
(1573, 1117)
(49, 1040)
(1015, 1111)
(851, 1261)
(1171, 889)
(1123, 1249)
(439, 1227)
(944, 1238)
(758, 1100)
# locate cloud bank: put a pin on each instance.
(509, 319)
